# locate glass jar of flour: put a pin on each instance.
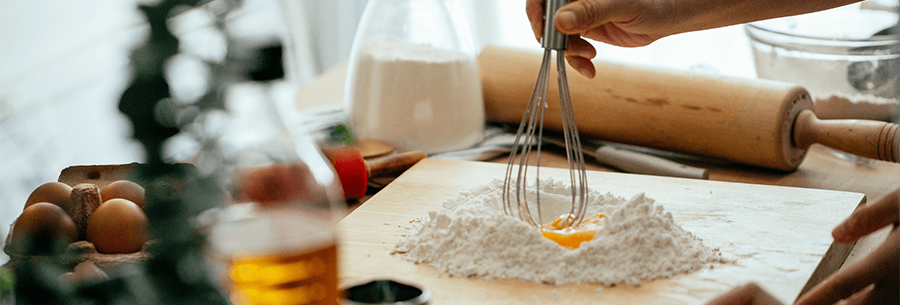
(413, 79)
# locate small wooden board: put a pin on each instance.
(778, 236)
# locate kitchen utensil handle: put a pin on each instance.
(640, 163)
(395, 164)
(865, 138)
(552, 38)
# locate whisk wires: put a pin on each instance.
(528, 138)
(532, 122)
(574, 156)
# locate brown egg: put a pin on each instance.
(53, 192)
(117, 226)
(124, 189)
(42, 228)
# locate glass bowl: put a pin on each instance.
(848, 58)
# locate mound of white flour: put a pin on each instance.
(472, 237)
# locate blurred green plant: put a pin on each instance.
(340, 134)
(7, 280)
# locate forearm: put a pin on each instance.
(707, 14)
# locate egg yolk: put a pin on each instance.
(572, 237)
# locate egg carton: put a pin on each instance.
(82, 250)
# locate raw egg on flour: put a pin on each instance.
(572, 237)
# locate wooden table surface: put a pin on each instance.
(821, 169)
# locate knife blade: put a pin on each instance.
(631, 161)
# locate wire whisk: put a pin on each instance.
(530, 132)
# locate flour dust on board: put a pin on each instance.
(472, 237)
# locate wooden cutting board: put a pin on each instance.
(777, 236)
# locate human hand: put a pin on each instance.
(748, 294)
(873, 280)
(621, 23)
(630, 23)
(876, 278)
(635, 23)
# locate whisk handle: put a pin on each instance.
(552, 38)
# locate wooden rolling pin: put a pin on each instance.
(751, 121)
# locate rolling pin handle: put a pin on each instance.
(865, 138)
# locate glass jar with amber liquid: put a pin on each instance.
(279, 256)
(275, 241)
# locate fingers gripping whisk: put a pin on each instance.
(515, 197)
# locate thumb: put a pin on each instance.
(580, 16)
